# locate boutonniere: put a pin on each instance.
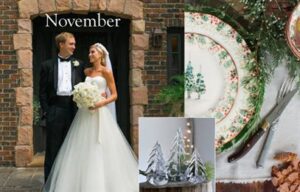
(76, 63)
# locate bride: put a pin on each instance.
(95, 156)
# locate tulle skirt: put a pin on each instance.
(95, 157)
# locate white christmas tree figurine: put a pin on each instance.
(189, 79)
(156, 170)
(200, 86)
(196, 169)
(176, 163)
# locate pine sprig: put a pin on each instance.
(269, 45)
(172, 96)
(264, 32)
(210, 171)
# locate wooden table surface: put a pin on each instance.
(177, 187)
(251, 187)
(223, 187)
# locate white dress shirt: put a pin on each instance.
(64, 83)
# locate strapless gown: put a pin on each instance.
(95, 156)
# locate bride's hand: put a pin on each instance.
(104, 95)
(97, 105)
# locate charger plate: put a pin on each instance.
(293, 31)
(230, 77)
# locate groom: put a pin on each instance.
(57, 79)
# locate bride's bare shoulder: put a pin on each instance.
(108, 75)
(107, 72)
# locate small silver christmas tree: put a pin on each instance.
(196, 170)
(156, 170)
(176, 162)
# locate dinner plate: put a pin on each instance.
(217, 52)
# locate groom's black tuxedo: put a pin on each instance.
(59, 111)
(49, 79)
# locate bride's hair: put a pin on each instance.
(99, 48)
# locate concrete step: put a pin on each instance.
(19, 190)
(21, 179)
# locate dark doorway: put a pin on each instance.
(115, 39)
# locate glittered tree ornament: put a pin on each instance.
(156, 170)
(200, 85)
(196, 169)
(189, 79)
(176, 162)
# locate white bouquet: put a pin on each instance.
(86, 95)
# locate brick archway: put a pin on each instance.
(22, 40)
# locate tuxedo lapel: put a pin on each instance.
(55, 67)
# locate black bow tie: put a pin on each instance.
(63, 59)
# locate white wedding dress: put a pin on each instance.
(95, 156)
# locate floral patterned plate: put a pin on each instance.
(293, 31)
(220, 77)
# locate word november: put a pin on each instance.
(82, 22)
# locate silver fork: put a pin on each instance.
(287, 86)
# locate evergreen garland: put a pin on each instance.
(264, 33)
